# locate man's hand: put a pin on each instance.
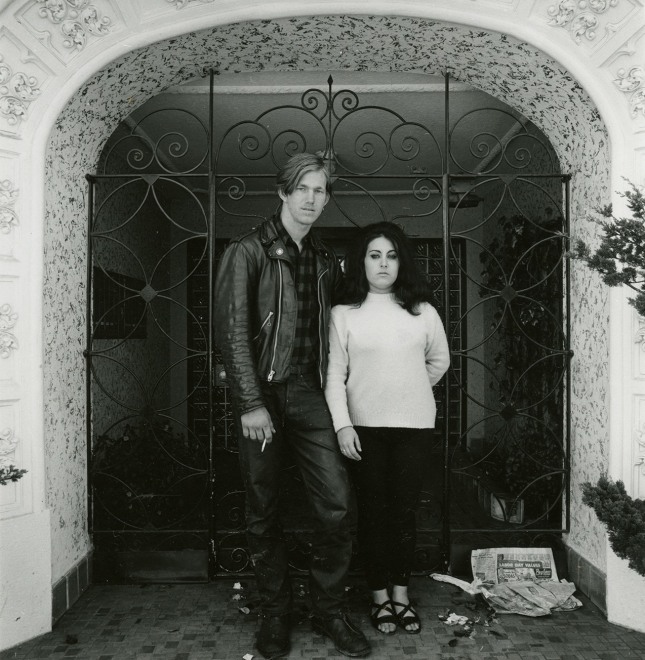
(257, 425)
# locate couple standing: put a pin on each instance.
(291, 361)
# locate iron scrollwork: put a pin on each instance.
(153, 235)
(332, 124)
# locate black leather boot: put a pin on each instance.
(273, 638)
(347, 638)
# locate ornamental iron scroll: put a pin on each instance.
(339, 128)
(518, 149)
(149, 149)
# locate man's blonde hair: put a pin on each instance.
(296, 167)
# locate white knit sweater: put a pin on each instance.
(383, 363)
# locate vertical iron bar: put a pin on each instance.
(212, 528)
(88, 350)
(330, 150)
(446, 540)
(567, 340)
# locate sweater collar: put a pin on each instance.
(380, 297)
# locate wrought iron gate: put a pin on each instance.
(483, 198)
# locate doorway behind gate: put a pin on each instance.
(478, 189)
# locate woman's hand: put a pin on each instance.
(350, 445)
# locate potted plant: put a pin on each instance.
(522, 479)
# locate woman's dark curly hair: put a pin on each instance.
(410, 288)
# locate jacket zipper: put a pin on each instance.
(266, 320)
(320, 324)
(276, 330)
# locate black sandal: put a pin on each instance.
(404, 621)
(386, 618)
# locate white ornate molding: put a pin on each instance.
(640, 438)
(67, 27)
(180, 4)
(580, 18)
(8, 197)
(639, 454)
(17, 92)
(76, 19)
(632, 83)
(639, 337)
(8, 445)
(8, 341)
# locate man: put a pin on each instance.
(272, 301)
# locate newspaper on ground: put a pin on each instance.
(500, 565)
(518, 581)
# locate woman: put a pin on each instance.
(388, 349)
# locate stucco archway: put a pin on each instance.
(44, 145)
(514, 72)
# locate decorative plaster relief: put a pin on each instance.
(632, 83)
(17, 91)
(8, 341)
(21, 76)
(637, 488)
(10, 494)
(581, 18)
(8, 445)
(8, 197)
(640, 444)
(75, 22)
(639, 336)
(180, 4)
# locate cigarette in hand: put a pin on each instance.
(264, 444)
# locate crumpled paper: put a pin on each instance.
(526, 597)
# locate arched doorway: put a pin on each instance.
(513, 51)
(480, 190)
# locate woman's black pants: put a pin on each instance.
(388, 482)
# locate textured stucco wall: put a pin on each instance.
(518, 74)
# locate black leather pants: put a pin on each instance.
(303, 427)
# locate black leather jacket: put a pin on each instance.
(256, 308)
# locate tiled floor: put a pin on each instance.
(217, 621)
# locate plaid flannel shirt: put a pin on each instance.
(305, 349)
